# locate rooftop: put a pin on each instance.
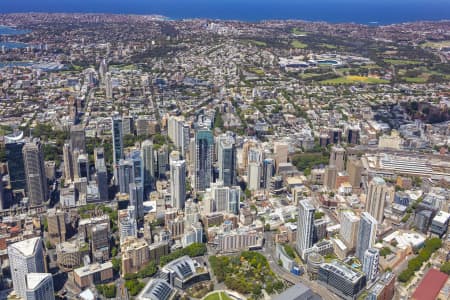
(430, 285)
(34, 279)
(27, 247)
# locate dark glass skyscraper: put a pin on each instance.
(16, 167)
(204, 150)
(117, 140)
(226, 159)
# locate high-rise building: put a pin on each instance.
(125, 175)
(330, 177)
(254, 176)
(349, 228)
(100, 241)
(137, 199)
(101, 174)
(135, 255)
(56, 226)
(138, 167)
(341, 279)
(148, 160)
(127, 125)
(305, 226)
(33, 158)
(178, 183)
(68, 163)
(354, 169)
(163, 161)
(376, 198)
(117, 141)
(127, 223)
(370, 263)
(103, 68)
(337, 158)
(281, 151)
(108, 86)
(77, 138)
(267, 172)
(178, 131)
(204, 150)
(25, 257)
(39, 286)
(16, 168)
(83, 166)
(226, 159)
(367, 234)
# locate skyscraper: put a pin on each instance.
(68, 163)
(77, 138)
(178, 183)
(204, 144)
(16, 168)
(354, 169)
(349, 228)
(268, 171)
(281, 151)
(137, 199)
(108, 86)
(33, 158)
(370, 263)
(83, 166)
(117, 141)
(376, 198)
(163, 161)
(367, 234)
(25, 257)
(149, 164)
(126, 175)
(226, 159)
(305, 226)
(101, 173)
(39, 286)
(254, 175)
(337, 158)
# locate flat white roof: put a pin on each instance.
(441, 217)
(27, 247)
(34, 279)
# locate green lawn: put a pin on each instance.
(257, 43)
(354, 79)
(415, 79)
(328, 46)
(298, 45)
(297, 31)
(399, 62)
(216, 296)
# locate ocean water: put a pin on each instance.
(358, 11)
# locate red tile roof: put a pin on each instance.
(430, 285)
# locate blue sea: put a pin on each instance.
(358, 11)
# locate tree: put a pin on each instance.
(117, 264)
(445, 268)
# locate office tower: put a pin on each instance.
(25, 257)
(56, 226)
(376, 197)
(220, 196)
(342, 280)
(68, 163)
(127, 125)
(178, 183)
(281, 151)
(163, 161)
(39, 286)
(226, 159)
(100, 241)
(101, 174)
(233, 200)
(335, 135)
(77, 138)
(305, 226)
(143, 126)
(33, 158)
(330, 177)
(117, 141)
(138, 168)
(16, 168)
(254, 176)
(353, 134)
(268, 172)
(320, 230)
(349, 228)
(354, 169)
(127, 223)
(50, 170)
(125, 175)
(108, 86)
(103, 68)
(245, 156)
(337, 158)
(149, 164)
(178, 131)
(367, 234)
(370, 263)
(204, 150)
(137, 199)
(191, 213)
(83, 166)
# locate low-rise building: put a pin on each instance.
(93, 274)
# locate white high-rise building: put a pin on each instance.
(370, 263)
(254, 175)
(25, 257)
(178, 183)
(108, 86)
(179, 132)
(367, 234)
(305, 226)
(40, 286)
(33, 160)
(349, 228)
(376, 198)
